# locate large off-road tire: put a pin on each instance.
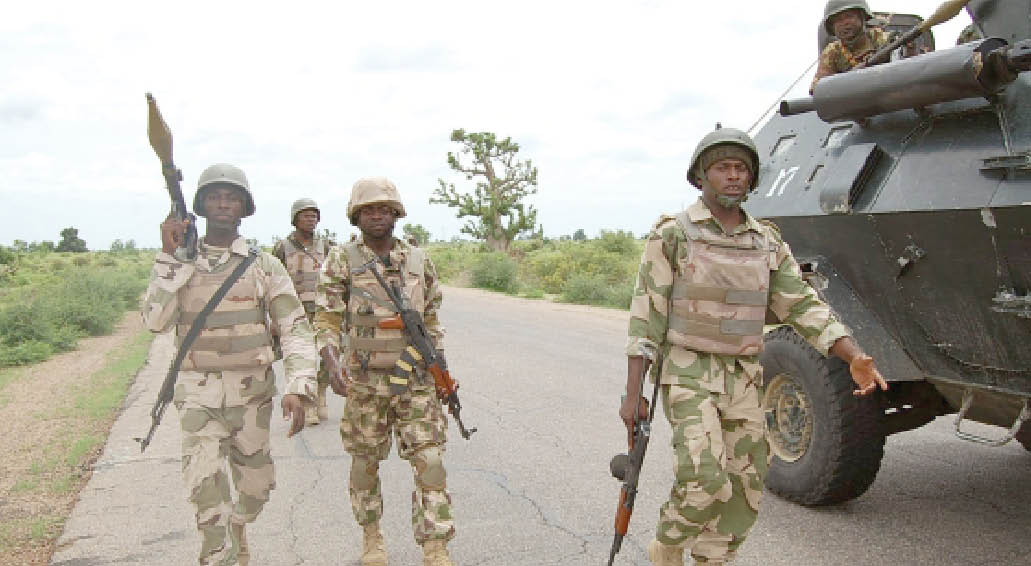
(1024, 436)
(827, 444)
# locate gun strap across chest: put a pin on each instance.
(198, 323)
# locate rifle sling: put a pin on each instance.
(198, 322)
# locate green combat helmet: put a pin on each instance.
(303, 204)
(223, 173)
(373, 190)
(723, 136)
(838, 6)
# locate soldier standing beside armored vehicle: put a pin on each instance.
(707, 277)
(353, 303)
(225, 389)
(303, 253)
(855, 43)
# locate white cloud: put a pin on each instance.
(608, 98)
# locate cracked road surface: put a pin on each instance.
(542, 383)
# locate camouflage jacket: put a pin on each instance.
(334, 293)
(791, 300)
(837, 58)
(306, 264)
(161, 311)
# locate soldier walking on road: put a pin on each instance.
(353, 304)
(225, 389)
(707, 277)
(303, 253)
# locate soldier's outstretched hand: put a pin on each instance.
(866, 376)
(293, 409)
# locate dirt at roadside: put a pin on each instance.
(30, 408)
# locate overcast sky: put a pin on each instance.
(607, 98)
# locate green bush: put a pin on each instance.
(496, 271)
(47, 312)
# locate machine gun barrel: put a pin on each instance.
(792, 106)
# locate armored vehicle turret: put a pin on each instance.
(904, 190)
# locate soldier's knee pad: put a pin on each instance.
(429, 468)
(364, 473)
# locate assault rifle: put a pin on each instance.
(420, 349)
(161, 140)
(627, 467)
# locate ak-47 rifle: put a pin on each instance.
(161, 140)
(420, 349)
(627, 467)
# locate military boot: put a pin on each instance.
(323, 407)
(311, 415)
(243, 552)
(434, 553)
(663, 555)
(374, 549)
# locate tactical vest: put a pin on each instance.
(303, 267)
(367, 304)
(720, 291)
(235, 335)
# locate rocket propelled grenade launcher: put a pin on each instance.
(161, 140)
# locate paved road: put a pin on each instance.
(542, 383)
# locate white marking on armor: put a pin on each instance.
(785, 175)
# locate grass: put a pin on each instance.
(60, 464)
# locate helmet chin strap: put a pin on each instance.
(724, 200)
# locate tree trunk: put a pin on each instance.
(498, 244)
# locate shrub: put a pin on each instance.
(496, 271)
(52, 311)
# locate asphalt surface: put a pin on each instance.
(542, 382)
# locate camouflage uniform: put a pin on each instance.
(225, 390)
(711, 380)
(373, 412)
(303, 265)
(838, 58)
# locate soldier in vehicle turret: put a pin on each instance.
(856, 41)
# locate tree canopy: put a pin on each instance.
(71, 242)
(495, 210)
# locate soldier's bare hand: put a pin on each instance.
(338, 383)
(173, 233)
(293, 409)
(626, 412)
(866, 376)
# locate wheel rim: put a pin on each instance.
(789, 417)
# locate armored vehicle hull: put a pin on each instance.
(915, 225)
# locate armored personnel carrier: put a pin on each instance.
(904, 190)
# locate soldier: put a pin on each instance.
(707, 277)
(225, 389)
(353, 303)
(855, 43)
(303, 253)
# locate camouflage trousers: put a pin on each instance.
(417, 420)
(211, 438)
(720, 461)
